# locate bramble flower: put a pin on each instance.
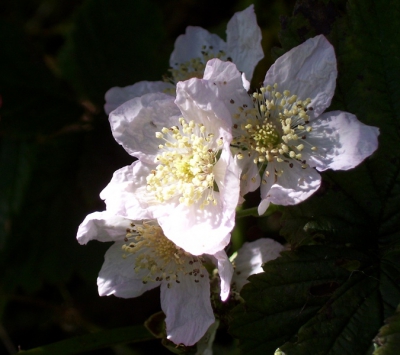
(250, 258)
(142, 258)
(281, 133)
(185, 177)
(192, 51)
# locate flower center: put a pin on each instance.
(275, 128)
(160, 257)
(194, 68)
(186, 162)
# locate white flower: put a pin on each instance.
(282, 133)
(185, 177)
(142, 258)
(192, 51)
(250, 258)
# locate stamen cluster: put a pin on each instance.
(186, 163)
(275, 128)
(159, 256)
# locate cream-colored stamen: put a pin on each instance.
(274, 129)
(186, 163)
(161, 259)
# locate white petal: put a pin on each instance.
(308, 71)
(225, 271)
(293, 186)
(226, 175)
(197, 101)
(245, 82)
(342, 141)
(244, 41)
(116, 96)
(188, 309)
(191, 45)
(205, 345)
(250, 178)
(118, 277)
(135, 123)
(102, 226)
(198, 231)
(263, 206)
(228, 84)
(250, 258)
(122, 194)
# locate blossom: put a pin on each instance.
(250, 258)
(191, 52)
(185, 177)
(142, 258)
(281, 133)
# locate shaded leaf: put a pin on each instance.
(294, 289)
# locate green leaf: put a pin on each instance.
(388, 338)
(309, 285)
(90, 342)
(114, 43)
(355, 214)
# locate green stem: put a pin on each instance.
(247, 212)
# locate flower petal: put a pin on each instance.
(250, 178)
(188, 309)
(102, 226)
(198, 231)
(244, 41)
(250, 258)
(308, 71)
(227, 84)
(118, 277)
(342, 141)
(191, 45)
(225, 271)
(135, 123)
(197, 101)
(293, 186)
(122, 194)
(116, 96)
